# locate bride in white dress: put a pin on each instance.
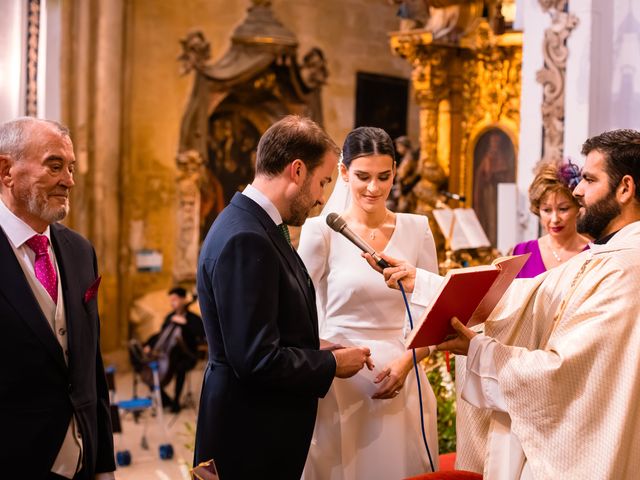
(368, 426)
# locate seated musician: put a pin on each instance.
(180, 335)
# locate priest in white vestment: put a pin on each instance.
(551, 390)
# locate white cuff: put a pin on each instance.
(481, 387)
(425, 286)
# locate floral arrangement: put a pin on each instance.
(442, 381)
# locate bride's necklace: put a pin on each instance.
(374, 231)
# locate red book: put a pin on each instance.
(470, 294)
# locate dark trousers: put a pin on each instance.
(180, 376)
(174, 403)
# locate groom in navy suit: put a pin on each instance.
(54, 404)
(266, 369)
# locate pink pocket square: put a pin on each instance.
(92, 291)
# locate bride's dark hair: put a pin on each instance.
(365, 141)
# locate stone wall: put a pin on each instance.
(134, 113)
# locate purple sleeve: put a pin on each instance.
(535, 265)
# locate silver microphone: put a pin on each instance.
(337, 223)
(453, 196)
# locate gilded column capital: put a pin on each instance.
(408, 45)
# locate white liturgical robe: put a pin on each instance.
(560, 385)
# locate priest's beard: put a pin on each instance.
(595, 218)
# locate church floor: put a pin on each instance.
(146, 463)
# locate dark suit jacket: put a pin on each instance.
(38, 391)
(265, 375)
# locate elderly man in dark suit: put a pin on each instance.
(54, 406)
(266, 369)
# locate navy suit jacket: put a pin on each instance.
(38, 392)
(265, 373)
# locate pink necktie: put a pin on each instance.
(43, 266)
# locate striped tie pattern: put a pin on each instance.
(285, 232)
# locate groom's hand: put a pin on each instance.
(327, 345)
(350, 361)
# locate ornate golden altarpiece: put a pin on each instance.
(234, 100)
(467, 81)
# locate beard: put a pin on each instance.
(301, 206)
(38, 205)
(595, 218)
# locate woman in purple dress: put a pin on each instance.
(552, 201)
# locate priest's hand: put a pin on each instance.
(399, 270)
(460, 343)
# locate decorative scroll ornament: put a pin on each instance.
(33, 35)
(196, 52)
(552, 77)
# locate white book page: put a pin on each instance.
(468, 222)
(467, 231)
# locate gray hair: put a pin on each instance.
(15, 134)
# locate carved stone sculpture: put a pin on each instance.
(552, 78)
(190, 168)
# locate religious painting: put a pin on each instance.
(494, 162)
(382, 101)
(232, 144)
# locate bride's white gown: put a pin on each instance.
(356, 437)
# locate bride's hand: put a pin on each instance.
(392, 377)
(399, 270)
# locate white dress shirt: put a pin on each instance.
(261, 199)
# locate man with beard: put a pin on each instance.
(54, 404)
(266, 370)
(551, 389)
(552, 384)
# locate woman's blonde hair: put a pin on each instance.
(549, 179)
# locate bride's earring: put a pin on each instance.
(343, 172)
